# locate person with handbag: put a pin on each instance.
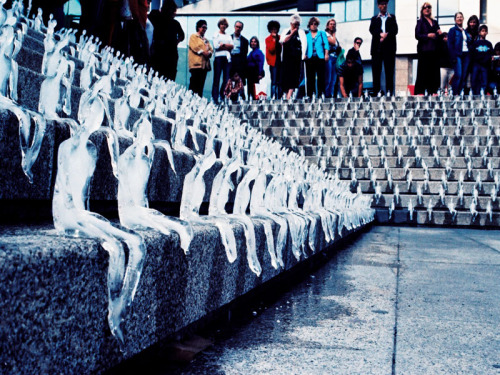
(255, 66)
(294, 42)
(316, 57)
(199, 54)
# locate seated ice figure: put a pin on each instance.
(58, 70)
(134, 167)
(76, 163)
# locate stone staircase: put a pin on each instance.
(54, 295)
(425, 160)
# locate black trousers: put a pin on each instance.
(197, 80)
(389, 61)
(428, 73)
(315, 67)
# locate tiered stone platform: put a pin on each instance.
(54, 299)
(366, 140)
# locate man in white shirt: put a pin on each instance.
(384, 29)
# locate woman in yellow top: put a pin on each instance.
(199, 55)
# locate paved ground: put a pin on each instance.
(397, 301)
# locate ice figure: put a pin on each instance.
(122, 114)
(30, 138)
(87, 73)
(38, 20)
(221, 187)
(134, 167)
(75, 166)
(194, 187)
(10, 44)
(259, 211)
(241, 202)
(57, 70)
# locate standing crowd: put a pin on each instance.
(446, 60)
(312, 60)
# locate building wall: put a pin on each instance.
(406, 11)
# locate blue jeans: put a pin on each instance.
(221, 66)
(479, 78)
(460, 68)
(275, 73)
(331, 76)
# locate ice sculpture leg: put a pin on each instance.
(227, 237)
(29, 148)
(268, 230)
(249, 229)
(141, 217)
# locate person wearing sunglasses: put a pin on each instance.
(355, 50)
(428, 34)
(384, 29)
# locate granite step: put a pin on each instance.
(54, 303)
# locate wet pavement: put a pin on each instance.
(396, 301)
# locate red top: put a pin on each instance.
(139, 10)
(273, 48)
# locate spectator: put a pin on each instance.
(239, 52)
(427, 32)
(384, 29)
(223, 44)
(255, 64)
(234, 87)
(294, 42)
(199, 54)
(333, 51)
(473, 27)
(317, 55)
(482, 53)
(355, 50)
(458, 47)
(495, 70)
(133, 40)
(473, 30)
(445, 64)
(273, 58)
(92, 17)
(167, 35)
(351, 77)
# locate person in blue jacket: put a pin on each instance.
(482, 53)
(459, 41)
(317, 55)
(255, 66)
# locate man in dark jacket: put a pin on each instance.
(239, 52)
(384, 29)
(167, 35)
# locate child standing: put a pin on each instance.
(482, 52)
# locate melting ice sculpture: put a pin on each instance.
(58, 70)
(10, 44)
(76, 163)
(134, 167)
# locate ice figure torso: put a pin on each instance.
(134, 167)
(58, 70)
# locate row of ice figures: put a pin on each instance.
(367, 107)
(368, 120)
(274, 202)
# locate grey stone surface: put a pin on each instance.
(427, 298)
(53, 303)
